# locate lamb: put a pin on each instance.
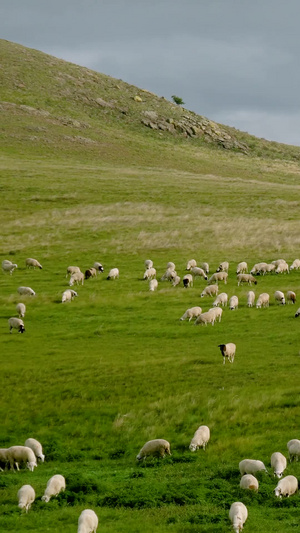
(156, 447)
(250, 298)
(295, 265)
(217, 312)
(221, 299)
(238, 515)
(263, 300)
(26, 291)
(200, 438)
(113, 273)
(68, 295)
(26, 496)
(191, 264)
(36, 447)
(210, 290)
(55, 485)
(169, 275)
(206, 318)
(219, 276)
(150, 273)
(90, 273)
(16, 323)
(33, 263)
(278, 463)
(228, 350)
(249, 482)
(294, 449)
(8, 266)
(286, 486)
(233, 303)
(72, 270)
(197, 271)
(176, 281)
(291, 297)
(297, 313)
(87, 522)
(279, 297)
(251, 466)
(187, 280)
(148, 264)
(153, 284)
(192, 312)
(21, 309)
(223, 267)
(21, 454)
(246, 278)
(242, 268)
(77, 278)
(98, 267)
(171, 266)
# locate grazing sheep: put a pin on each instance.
(191, 264)
(219, 276)
(3, 458)
(197, 271)
(242, 268)
(68, 295)
(286, 486)
(200, 438)
(210, 290)
(148, 264)
(295, 265)
(205, 267)
(251, 466)
(153, 284)
(90, 273)
(150, 273)
(291, 297)
(16, 323)
(176, 281)
(238, 515)
(228, 350)
(278, 262)
(278, 463)
(258, 268)
(246, 278)
(206, 318)
(294, 449)
(297, 313)
(156, 447)
(72, 270)
(282, 268)
(192, 312)
(77, 278)
(249, 482)
(250, 298)
(98, 267)
(21, 454)
(113, 273)
(221, 299)
(187, 280)
(21, 309)
(8, 266)
(263, 300)
(87, 522)
(169, 275)
(223, 267)
(279, 297)
(26, 291)
(270, 268)
(36, 447)
(55, 485)
(171, 266)
(217, 312)
(233, 303)
(32, 263)
(26, 496)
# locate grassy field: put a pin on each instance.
(96, 378)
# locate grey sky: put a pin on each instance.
(234, 61)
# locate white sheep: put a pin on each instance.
(238, 515)
(279, 297)
(36, 447)
(187, 280)
(55, 485)
(21, 454)
(169, 275)
(282, 268)
(197, 271)
(16, 323)
(278, 463)
(233, 303)
(77, 278)
(200, 438)
(219, 276)
(221, 299)
(295, 265)
(153, 284)
(278, 262)
(217, 312)
(87, 522)
(286, 486)
(192, 312)
(249, 482)
(8, 266)
(68, 295)
(228, 350)
(259, 268)
(263, 300)
(206, 318)
(156, 447)
(297, 313)
(176, 281)
(205, 267)
(21, 310)
(113, 273)
(223, 267)
(270, 268)
(26, 291)
(150, 273)
(90, 273)
(291, 297)
(3, 458)
(210, 290)
(250, 298)
(293, 447)
(98, 267)
(242, 268)
(171, 266)
(148, 264)
(26, 496)
(251, 466)
(72, 270)
(33, 263)
(246, 278)
(191, 264)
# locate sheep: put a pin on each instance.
(171, 266)
(169, 275)
(192, 312)
(21, 454)
(282, 268)
(210, 290)
(191, 264)
(26, 496)
(233, 303)
(263, 300)
(176, 281)
(246, 278)
(217, 312)
(187, 281)
(228, 350)
(279, 297)
(3, 458)
(72, 270)
(270, 267)
(286, 486)
(90, 273)
(297, 313)
(197, 271)
(16, 323)
(295, 265)
(291, 297)
(98, 267)
(32, 263)
(55, 485)
(21, 309)
(68, 295)
(219, 276)
(206, 318)
(36, 447)
(113, 274)
(156, 447)
(148, 264)
(205, 267)
(77, 278)
(200, 438)
(251, 466)
(153, 284)
(238, 515)
(221, 299)
(278, 262)
(26, 291)
(242, 268)
(250, 298)
(150, 273)
(223, 267)
(8, 266)
(87, 522)
(249, 482)
(293, 447)
(278, 463)
(258, 268)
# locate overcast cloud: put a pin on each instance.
(234, 61)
